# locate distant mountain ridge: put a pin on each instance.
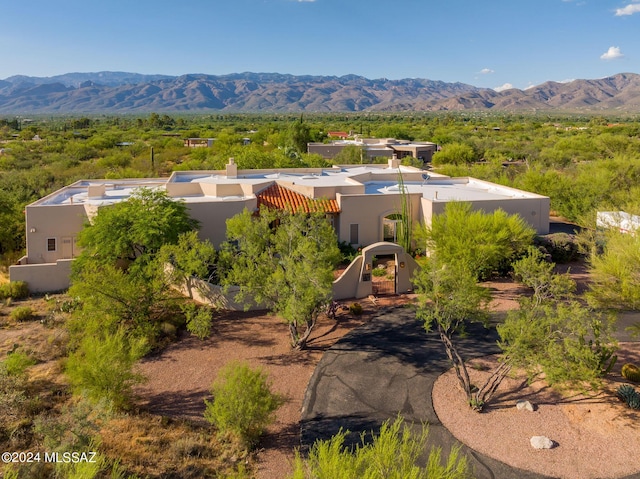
(122, 92)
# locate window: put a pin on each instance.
(51, 244)
(353, 234)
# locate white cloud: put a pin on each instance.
(628, 10)
(305, 1)
(612, 54)
(486, 71)
(506, 86)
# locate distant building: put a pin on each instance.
(199, 142)
(620, 220)
(361, 201)
(343, 135)
(377, 148)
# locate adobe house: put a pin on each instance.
(361, 201)
(377, 148)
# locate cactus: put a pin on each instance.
(625, 391)
(634, 402)
(628, 394)
(631, 372)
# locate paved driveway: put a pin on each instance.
(388, 367)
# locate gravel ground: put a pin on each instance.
(597, 436)
(180, 377)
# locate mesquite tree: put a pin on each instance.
(284, 261)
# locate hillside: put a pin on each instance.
(119, 92)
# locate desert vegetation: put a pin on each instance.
(72, 387)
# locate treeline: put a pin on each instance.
(583, 163)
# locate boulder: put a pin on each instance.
(541, 442)
(524, 406)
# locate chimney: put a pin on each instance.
(394, 162)
(232, 169)
(96, 191)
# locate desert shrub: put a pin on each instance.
(14, 290)
(355, 309)
(379, 272)
(198, 320)
(561, 246)
(393, 453)
(82, 469)
(102, 366)
(243, 404)
(347, 252)
(13, 402)
(73, 427)
(17, 363)
(22, 313)
(484, 243)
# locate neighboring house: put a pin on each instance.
(338, 134)
(199, 142)
(377, 148)
(362, 201)
(620, 220)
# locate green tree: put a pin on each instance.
(135, 230)
(551, 332)
(448, 297)
(615, 272)
(121, 269)
(484, 243)
(536, 273)
(288, 267)
(136, 296)
(298, 135)
(351, 155)
(454, 153)
(190, 260)
(12, 221)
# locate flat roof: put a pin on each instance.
(447, 190)
(433, 186)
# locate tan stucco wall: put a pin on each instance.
(213, 216)
(346, 286)
(54, 221)
(535, 211)
(214, 295)
(221, 189)
(183, 189)
(43, 278)
(351, 284)
(368, 211)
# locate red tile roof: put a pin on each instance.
(279, 197)
(338, 134)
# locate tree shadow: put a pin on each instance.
(323, 428)
(187, 405)
(283, 439)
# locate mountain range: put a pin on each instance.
(121, 92)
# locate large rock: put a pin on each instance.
(541, 442)
(524, 406)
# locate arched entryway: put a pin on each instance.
(356, 280)
(391, 227)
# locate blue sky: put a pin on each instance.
(488, 43)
